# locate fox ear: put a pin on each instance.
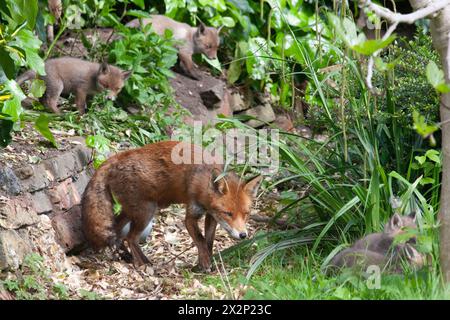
(218, 181)
(126, 74)
(396, 222)
(104, 68)
(252, 186)
(413, 216)
(201, 28)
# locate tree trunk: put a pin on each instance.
(440, 32)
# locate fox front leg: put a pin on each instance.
(187, 65)
(191, 222)
(210, 233)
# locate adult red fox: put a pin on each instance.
(67, 75)
(201, 39)
(148, 178)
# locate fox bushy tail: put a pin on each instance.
(97, 211)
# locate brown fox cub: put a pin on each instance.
(82, 78)
(146, 179)
(378, 248)
(361, 259)
(201, 39)
(382, 241)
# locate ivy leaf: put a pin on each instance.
(41, 125)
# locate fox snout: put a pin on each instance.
(233, 232)
(239, 235)
(212, 56)
(111, 96)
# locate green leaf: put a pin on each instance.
(422, 127)
(7, 63)
(425, 181)
(234, 71)
(35, 62)
(16, 91)
(139, 3)
(13, 108)
(228, 22)
(435, 77)
(24, 10)
(433, 155)
(37, 88)
(421, 159)
(443, 88)
(41, 125)
(215, 63)
(369, 47)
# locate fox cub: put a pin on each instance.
(201, 39)
(68, 75)
(154, 180)
(379, 249)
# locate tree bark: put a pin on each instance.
(440, 32)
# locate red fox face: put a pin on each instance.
(112, 79)
(232, 202)
(206, 41)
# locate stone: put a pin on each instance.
(237, 103)
(63, 166)
(213, 96)
(41, 202)
(68, 229)
(39, 180)
(9, 181)
(84, 155)
(80, 181)
(17, 212)
(224, 109)
(264, 113)
(24, 172)
(13, 249)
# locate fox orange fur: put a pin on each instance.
(146, 179)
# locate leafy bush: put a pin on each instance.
(18, 47)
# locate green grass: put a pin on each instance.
(296, 274)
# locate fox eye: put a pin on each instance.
(229, 214)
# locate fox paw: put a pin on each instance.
(199, 269)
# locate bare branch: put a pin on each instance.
(409, 18)
(371, 61)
